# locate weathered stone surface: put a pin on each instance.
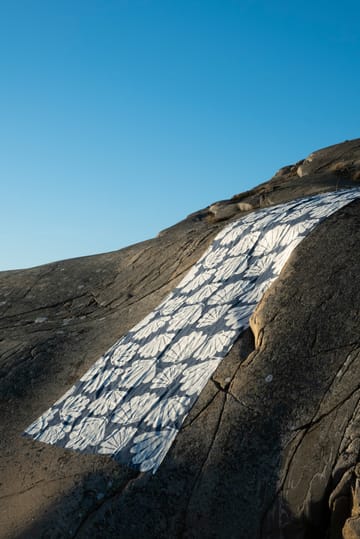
(351, 528)
(270, 449)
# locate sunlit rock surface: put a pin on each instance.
(270, 448)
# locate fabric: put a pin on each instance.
(133, 401)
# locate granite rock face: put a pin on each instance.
(271, 447)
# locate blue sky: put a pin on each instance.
(119, 118)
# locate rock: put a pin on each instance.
(301, 172)
(245, 206)
(352, 528)
(223, 211)
(270, 449)
(284, 170)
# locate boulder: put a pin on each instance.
(271, 447)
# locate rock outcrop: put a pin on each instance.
(271, 447)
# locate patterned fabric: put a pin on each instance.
(133, 401)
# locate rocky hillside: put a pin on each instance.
(248, 462)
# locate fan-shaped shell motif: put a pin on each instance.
(215, 344)
(215, 257)
(139, 372)
(167, 376)
(123, 353)
(264, 219)
(150, 448)
(272, 239)
(301, 228)
(107, 402)
(98, 365)
(54, 433)
(225, 231)
(232, 235)
(203, 294)
(319, 212)
(172, 305)
(116, 441)
(260, 266)
(231, 267)
(89, 432)
(294, 215)
(135, 409)
(66, 395)
(255, 294)
(101, 379)
(151, 327)
(245, 244)
(200, 280)
(284, 256)
(166, 412)
(186, 316)
(156, 345)
(144, 322)
(229, 293)
(213, 316)
(195, 378)
(184, 348)
(238, 317)
(190, 275)
(39, 426)
(73, 408)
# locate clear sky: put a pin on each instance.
(119, 118)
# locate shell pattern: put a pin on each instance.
(132, 402)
